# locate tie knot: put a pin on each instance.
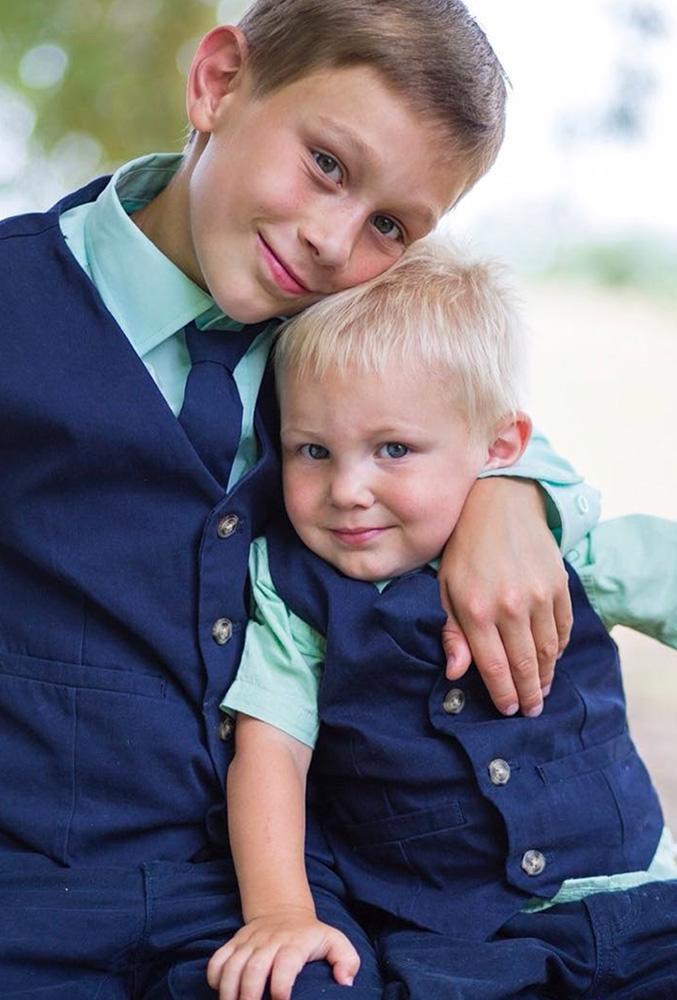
(224, 347)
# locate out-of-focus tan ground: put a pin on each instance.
(604, 388)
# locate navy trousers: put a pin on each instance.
(144, 933)
(620, 945)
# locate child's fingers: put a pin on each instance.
(456, 648)
(230, 977)
(255, 973)
(216, 963)
(518, 643)
(343, 958)
(564, 617)
(286, 967)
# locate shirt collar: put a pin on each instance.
(149, 296)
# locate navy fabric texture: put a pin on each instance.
(439, 810)
(110, 933)
(610, 946)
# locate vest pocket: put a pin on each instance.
(38, 740)
(421, 843)
(594, 758)
(406, 826)
(396, 861)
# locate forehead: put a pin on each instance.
(356, 394)
(391, 150)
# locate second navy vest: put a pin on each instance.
(439, 810)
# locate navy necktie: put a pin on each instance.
(211, 414)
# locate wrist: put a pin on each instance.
(281, 909)
(528, 494)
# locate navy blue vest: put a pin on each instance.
(118, 554)
(439, 810)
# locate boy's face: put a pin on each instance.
(376, 469)
(311, 189)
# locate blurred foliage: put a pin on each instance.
(648, 265)
(110, 69)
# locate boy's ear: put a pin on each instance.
(216, 71)
(510, 439)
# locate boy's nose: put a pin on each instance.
(348, 490)
(332, 234)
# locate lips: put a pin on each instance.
(282, 275)
(356, 536)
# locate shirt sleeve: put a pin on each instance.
(628, 567)
(279, 673)
(572, 506)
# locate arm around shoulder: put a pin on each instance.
(628, 566)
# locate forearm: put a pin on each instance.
(266, 819)
(571, 505)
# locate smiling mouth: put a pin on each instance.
(356, 536)
(283, 277)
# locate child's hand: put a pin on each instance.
(504, 587)
(277, 946)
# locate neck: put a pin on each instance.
(165, 221)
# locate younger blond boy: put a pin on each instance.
(394, 397)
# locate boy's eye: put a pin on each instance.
(387, 227)
(328, 165)
(393, 449)
(314, 451)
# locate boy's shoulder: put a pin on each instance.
(36, 223)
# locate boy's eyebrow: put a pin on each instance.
(349, 137)
(365, 154)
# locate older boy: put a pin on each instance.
(444, 818)
(327, 137)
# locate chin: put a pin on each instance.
(364, 570)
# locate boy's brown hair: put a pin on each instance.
(430, 51)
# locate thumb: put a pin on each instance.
(456, 648)
(343, 959)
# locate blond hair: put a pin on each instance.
(432, 52)
(436, 312)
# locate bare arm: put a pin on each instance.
(266, 810)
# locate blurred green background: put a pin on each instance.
(109, 72)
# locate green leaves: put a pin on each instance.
(106, 72)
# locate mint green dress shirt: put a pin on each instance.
(628, 568)
(152, 301)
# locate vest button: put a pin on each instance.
(533, 862)
(454, 701)
(499, 771)
(222, 630)
(227, 525)
(226, 727)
